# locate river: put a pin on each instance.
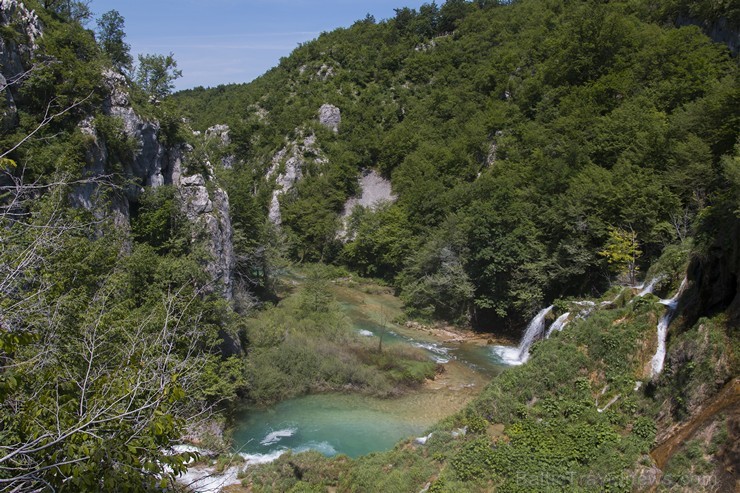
(354, 424)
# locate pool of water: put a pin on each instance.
(331, 424)
(355, 424)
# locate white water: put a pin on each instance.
(558, 324)
(534, 330)
(437, 352)
(648, 289)
(423, 440)
(585, 312)
(656, 364)
(206, 480)
(276, 436)
(509, 355)
(519, 355)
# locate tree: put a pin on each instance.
(622, 251)
(76, 10)
(156, 74)
(92, 386)
(110, 36)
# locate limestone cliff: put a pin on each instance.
(287, 169)
(150, 164)
(15, 53)
(154, 165)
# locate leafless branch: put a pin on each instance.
(48, 117)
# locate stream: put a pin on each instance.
(355, 424)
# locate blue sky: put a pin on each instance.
(223, 41)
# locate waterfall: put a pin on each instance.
(648, 289)
(534, 330)
(656, 364)
(558, 324)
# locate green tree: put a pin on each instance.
(111, 39)
(156, 75)
(380, 241)
(74, 10)
(622, 251)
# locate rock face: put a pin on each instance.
(374, 192)
(154, 165)
(714, 279)
(15, 54)
(209, 212)
(222, 135)
(330, 116)
(151, 163)
(720, 30)
(287, 169)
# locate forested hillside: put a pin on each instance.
(529, 145)
(554, 157)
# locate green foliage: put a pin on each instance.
(156, 75)
(159, 222)
(531, 127)
(474, 460)
(380, 242)
(306, 344)
(98, 410)
(111, 38)
(621, 252)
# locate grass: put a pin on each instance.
(306, 344)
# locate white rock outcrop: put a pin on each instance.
(330, 116)
(374, 192)
(287, 168)
(152, 165)
(15, 56)
(209, 212)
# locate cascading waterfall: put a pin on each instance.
(518, 355)
(535, 329)
(656, 364)
(558, 324)
(648, 288)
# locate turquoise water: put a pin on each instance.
(332, 424)
(354, 424)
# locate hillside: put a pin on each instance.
(517, 139)
(170, 260)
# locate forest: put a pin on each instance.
(520, 140)
(560, 153)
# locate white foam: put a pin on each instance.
(263, 458)
(208, 481)
(589, 307)
(508, 354)
(648, 289)
(325, 448)
(656, 363)
(181, 449)
(276, 436)
(535, 330)
(366, 333)
(423, 440)
(439, 354)
(558, 324)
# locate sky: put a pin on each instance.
(224, 41)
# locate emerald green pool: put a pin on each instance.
(348, 424)
(354, 424)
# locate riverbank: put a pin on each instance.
(356, 423)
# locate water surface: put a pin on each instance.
(355, 424)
